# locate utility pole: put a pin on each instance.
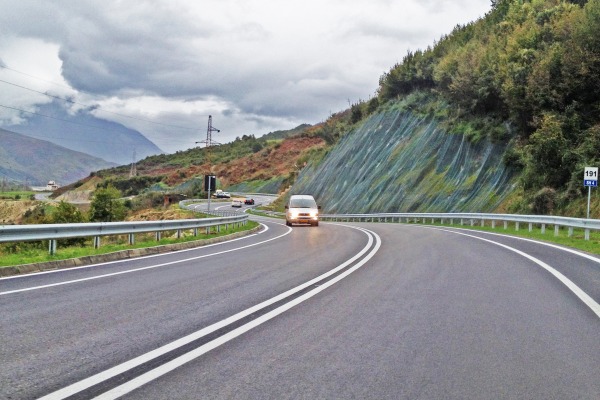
(133, 171)
(209, 143)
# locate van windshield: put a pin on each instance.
(303, 203)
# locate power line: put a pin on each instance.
(96, 107)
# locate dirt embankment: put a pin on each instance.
(11, 211)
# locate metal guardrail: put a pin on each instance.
(580, 223)
(54, 232)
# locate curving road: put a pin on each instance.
(369, 311)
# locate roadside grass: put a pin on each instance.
(28, 253)
(17, 195)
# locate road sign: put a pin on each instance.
(590, 176)
(590, 179)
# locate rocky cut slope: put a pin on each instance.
(397, 161)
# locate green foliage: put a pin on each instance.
(37, 215)
(66, 213)
(531, 65)
(131, 186)
(544, 201)
(106, 206)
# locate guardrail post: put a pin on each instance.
(131, 239)
(195, 231)
(208, 230)
(505, 225)
(472, 222)
(556, 230)
(587, 234)
(493, 224)
(178, 233)
(96, 242)
(451, 221)
(52, 247)
(543, 228)
(570, 231)
(462, 222)
(517, 226)
(530, 227)
(482, 222)
(157, 235)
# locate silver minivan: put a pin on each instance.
(302, 209)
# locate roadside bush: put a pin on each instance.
(544, 201)
(66, 213)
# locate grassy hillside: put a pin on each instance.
(268, 164)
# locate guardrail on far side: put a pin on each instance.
(472, 218)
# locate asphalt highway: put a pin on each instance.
(365, 311)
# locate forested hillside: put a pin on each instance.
(527, 74)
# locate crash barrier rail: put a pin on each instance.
(473, 218)
(54, 232)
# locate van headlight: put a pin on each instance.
(294, 214)
(314, 214)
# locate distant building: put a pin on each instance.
(51, 186)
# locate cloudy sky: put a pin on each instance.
(163, 66)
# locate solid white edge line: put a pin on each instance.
(557, 247)
(163, 369)
(119, 369)
(583, 296)
(139, 269)
(66, 270)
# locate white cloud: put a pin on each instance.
(255, 65)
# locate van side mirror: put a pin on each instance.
(319, 207)
(286, 207)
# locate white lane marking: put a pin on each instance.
(139, 269)
(171, 365)
(66, 270)
(568, 250)
(126, 366)
(583, 296)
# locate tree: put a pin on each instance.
(66, 213)
(106, 206)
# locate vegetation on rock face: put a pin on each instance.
(532, 66)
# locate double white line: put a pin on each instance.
(374, 242)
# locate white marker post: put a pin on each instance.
(590, 178)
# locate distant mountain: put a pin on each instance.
(28, 160)
(85, 133)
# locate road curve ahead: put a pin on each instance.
(373, 311)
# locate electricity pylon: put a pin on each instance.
(209, 142)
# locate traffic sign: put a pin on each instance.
(590, 179)
(590, 176)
